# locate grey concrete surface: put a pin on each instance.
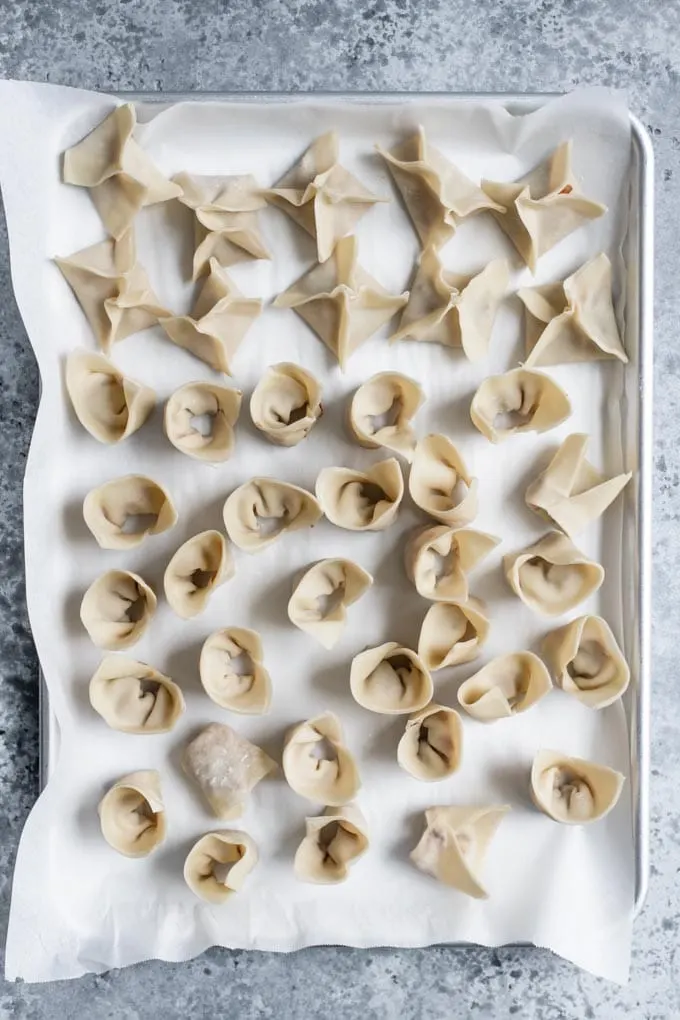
(534, 45)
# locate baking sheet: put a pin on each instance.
(569, 889)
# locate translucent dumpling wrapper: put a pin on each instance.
(333, 842)
(437, 195)
(121, 513)
(107, 403)
(342, 303)
(432, 744)
(117, 609)
(438, 559)
(205, 404)
(135, 698)
(506, 686)
(217, 865)
(258, 512)
(587, 662)
(226, 768)
(455, 843)
(571, 492)
(453, 633)
(390, 679)
(440, 483)
(198, 567)
(233, 673)
(573, 320)
(361, 500)
(322, 595)
(552, 576)
(286, 404)
(572, 790)
(132, 814)
(453, 310)
(317, 764)
(542, 208)
(381, 412)
(518, 401)
(120, 175)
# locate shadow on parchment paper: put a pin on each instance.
(333, 682)
(512, 782)
(381, 745)
(75, 528)
(71, 613)
(411, 830)
(182, 666)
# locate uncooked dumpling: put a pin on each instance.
(108, 404)
(438, 559)
(133, 697)
(333, 842)
(203, 400)
(116, 609)
(341, 302)
(571, 492)
(440, 483)
(317, 764)
(518, 401)
(232, 671)
(381, 412)
(390, 679)
(572, 790)
(552, 576)
(432, 744)
(286, 404)
(322, 595)
(219, 863)
(587, 662)
(225, 767)
(506, 686)
(361, 500)
(452, 633)
(132, 814)
(261, 510)
(121, 513)
(455, 842)
(198, 567)
(542, 208)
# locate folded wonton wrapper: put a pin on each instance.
(220, 404)
(111, 509)
(133, 697)
(107, 403)
(225, 767)
(452, 633)
(381, 411)
(432, 744)
(198, 567)
(543, 207)
(552, 576)
(438, 559)
(219, 863)
(321, 596)
(286, 403)
(587, 662)
(361, 500)
(333, 842)
(506, 686)
(390, 679)
(455, 842)
(341, 302)
(121, 177)
(245, 689)
(132, 814)
(440, 483)
(518, 401)
(116, 609)
(317, 764)
(572, 790)
(570, 492)
(258, 512)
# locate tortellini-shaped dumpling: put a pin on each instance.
(225, 767)
(381, 411)
(286, 404)
(552, 576)
(432, 744)
(390, 679)
(214, 408)
(258, 512)
(132, 814)
(438, 559)
(219, 863)
(232, 671)
(133, 697)
(321, 596)
(108, 404)
(587, 662)
(455, 842)
(333, 842)
(518, 401)
(122, 512)
(317, 764)
(116, 609)
(361, 500)
(506, 686)
(198, 567)
(452, 633)
(440, 483)
(572, 790)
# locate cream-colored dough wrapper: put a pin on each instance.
(135, 698)
(117, 608)
(521, 400)
(322, 595)
(573, 791)
(132, 814)
(286, 404)
(317, 763)
(432, 745)
(361, 500)
(506, 686)
(110, 405)
(586, 661)
(218, 864)
(333, 842)
(260, 511)
(219, 406)
(198, 567)
(245, 688)
(552, 576)
(381, 411)
(455, 843)
(440, 483)
(123, 512)
(390, 679)
(438, 559)
(453, 633)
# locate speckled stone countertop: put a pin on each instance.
(521, 45)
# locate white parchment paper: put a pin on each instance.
(78, 906)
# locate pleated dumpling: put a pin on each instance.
(572, 790)
(322, 595)
(432, 744)
(233, 673)
(286, 404)
(518, 401)
(440, 483)
(552, 576)
(107, 403)
(121, 513)
(226, 768)
(390, 679)
(258, 512)
(117, 609)
(317, 764)
(453, 633)
(438, 559)
(198, 567)
(455, 842)
(333, 842)
(133, 697)
(361, 500)
(219, 863)
(506, 686)
(586, 661)
(214, 408)
(381, 411)
(132, 814)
